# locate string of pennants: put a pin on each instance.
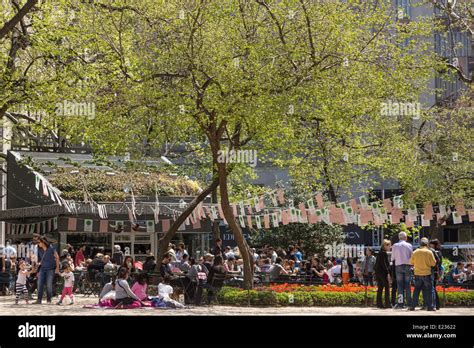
(359, 213)
(41, 227)
(255, 212)
(119, 225)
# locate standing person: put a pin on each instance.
(345, 271)
(367, 266)
(423, 261)
(79, 258)
(47, 267)
(435, 247)
(20, 286)
(382, 271)
(401, 255)
(117, 255)
(181, 252)
(217, 251)
(68, 285)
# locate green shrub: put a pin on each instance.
(262, 297)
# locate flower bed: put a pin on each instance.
(325, 295)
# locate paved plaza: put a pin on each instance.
(7, 307)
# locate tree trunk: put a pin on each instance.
(166, 239)
(216, 233)
(239, 236)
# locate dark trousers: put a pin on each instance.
(45, 280)
(382, 283)
(423, 284)
(369, 279)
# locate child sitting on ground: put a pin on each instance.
(20, 285)
(68, 285)
(139, 288)
(164, 292)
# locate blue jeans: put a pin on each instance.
(45, 277)
(425, 284)
(403, 284)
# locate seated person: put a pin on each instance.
(184, 266)
(266, 265)
(123, 294)
(164, 292)
(456, 275)
(277, 269)
(139, 288)
(165, 268)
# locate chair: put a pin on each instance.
(214, 286)
(90, 285)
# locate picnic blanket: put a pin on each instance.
(155, 302)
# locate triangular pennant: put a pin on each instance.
(37, 181)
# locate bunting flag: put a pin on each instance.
(459, 205)
(425, 222)
(234, 209)
(442, 210)
(55, 223)
(242, 208)
(249, 221)
(471, 215)
(319, 200)
(428, 210)
(71, 224)
(387, 204)
(103, 226)
(398, 202)
(150, 226)
(457, 219)
(249, 208)
(409, 221)
(363, 202)
(102, 211)
(165, 225)
(302, 207)
(266, 221)
(274, 220)
(335, 215)
(197, 224)
(313, 218)
(88, 225)
(354, 206)
(323, 215)
(310, 203)
(256, 203)
(213, 215)
(441, 219)
(281, 196)
(261, 203)
(366, 216)
(37, 181)
(293, 215)
(258, 221)
(45, 189)
(412, 212)
(285, 219)
(156, 209)
(273, 197)
(396, 215)
(241, 220)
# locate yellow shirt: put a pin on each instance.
(422, 260)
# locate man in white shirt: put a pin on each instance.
(401, 255)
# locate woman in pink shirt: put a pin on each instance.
(139, 288)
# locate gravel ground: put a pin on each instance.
(7, 307)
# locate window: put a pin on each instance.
(450, 235)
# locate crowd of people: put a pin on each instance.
(394, 269)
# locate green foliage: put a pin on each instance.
(391, 230)
(238, 297)
(311, 237)
(103, 187)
